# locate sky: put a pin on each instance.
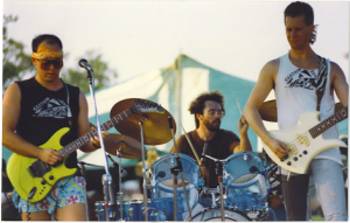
(136, 37)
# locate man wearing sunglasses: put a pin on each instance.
(34, 111)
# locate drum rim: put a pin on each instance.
(241, 214)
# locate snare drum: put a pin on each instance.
(245, 183)
(189, 181)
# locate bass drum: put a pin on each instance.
(214, 214)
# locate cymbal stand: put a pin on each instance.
(175, 173)
(120, 194)
(144, 185)
(218, 171)
(174, 170)
(109, 196)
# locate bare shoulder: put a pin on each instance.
(271, 66)
(336, 69)
(12, 92)
(270, 69)
(336, 72)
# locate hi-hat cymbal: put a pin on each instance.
(268, 110)
(130, 113)
(123, 146)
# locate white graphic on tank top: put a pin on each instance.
(52, 108)
(307, 79)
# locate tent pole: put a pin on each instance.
(178, 84)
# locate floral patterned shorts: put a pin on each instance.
(70, 190)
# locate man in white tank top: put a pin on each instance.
(295, 78)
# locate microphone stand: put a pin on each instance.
(109, 196)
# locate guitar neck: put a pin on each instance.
(329, 122)
(85, 139)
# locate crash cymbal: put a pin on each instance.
(123, 146)
(155, 120)
(268, 110)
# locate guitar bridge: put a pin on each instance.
(39, 168)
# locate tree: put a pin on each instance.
(16, 63)
(103, 74)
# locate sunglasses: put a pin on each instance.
(46, 63)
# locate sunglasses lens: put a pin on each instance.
(47, 63)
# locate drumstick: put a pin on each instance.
(239, 107)
(191, 146)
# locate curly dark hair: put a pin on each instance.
(299, 8)
(198, 104)
(48, 38)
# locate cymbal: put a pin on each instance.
(123, 146)
(130, 113)
(268, 110)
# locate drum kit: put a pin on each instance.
(173, 187)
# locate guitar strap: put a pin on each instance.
(322, 79)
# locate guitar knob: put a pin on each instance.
(305, 152)
(51, 177)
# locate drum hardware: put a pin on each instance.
(144, 186)
(120, 195)
(149, 123)
(212, 192)
(219, 173)
(175, 171)
(106, 178)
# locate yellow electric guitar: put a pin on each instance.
(33, 179)
(305, 140)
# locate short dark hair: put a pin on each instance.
(298, 8)
(198, 104)
(48, 38)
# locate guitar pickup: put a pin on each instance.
(39, 168)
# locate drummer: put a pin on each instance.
(209, 139)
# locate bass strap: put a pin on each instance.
(321, 87)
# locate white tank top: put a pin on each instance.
(295, 90)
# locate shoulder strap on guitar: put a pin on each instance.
(322, 79)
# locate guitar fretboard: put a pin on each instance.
(329, 122)
(83, 140)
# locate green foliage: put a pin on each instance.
(16, 63)
(78, 76)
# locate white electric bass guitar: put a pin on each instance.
(305, 140)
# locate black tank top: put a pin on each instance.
(43, 112)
